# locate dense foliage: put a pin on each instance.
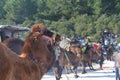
(81, 17)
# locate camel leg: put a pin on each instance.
(57, 70)
(75, 71)
(90, 65)
(83, 67)
(101, 62)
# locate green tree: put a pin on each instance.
(19, 10)
(54, 9)
(109, 6)
(2, 11)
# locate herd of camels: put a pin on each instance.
(32, 58)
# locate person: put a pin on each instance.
(106, 34)
(82, 41)
(95, 46)
(87, 40)
(64, 43)
(105, 39)
(99, 51)
(57, 67)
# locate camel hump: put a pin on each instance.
(15, 44)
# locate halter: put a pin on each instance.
(48, 39)
(37, 60)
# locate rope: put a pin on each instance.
(66, 56)
(57, 52)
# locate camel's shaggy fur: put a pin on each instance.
(30, 65)
(15, 44)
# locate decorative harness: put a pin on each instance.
(49, 40)
(37, 60)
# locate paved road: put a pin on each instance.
(105, 74)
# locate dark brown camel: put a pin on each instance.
(68, 58)
(32, 64)
(110, 52)
(15, 44)
(86, 58)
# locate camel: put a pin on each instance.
(15, 44)
(31, 64)
(50, 37)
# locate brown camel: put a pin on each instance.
(15, 44)
(33, 62)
